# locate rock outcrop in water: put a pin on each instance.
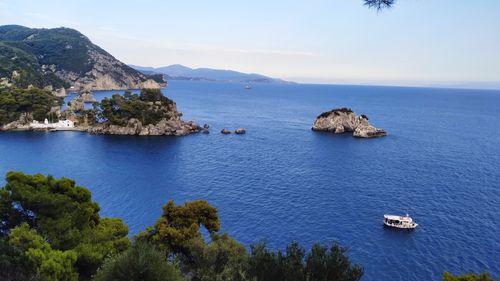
(240, 131)
(341, 120)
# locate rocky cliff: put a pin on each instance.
(167, 127)
(63, 57)
(343, 120)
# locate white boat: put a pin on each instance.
(399, 221)
(248, 87)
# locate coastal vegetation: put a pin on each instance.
(149, 107)
(16, 102)
(50, 229)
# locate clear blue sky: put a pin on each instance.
(417, 42)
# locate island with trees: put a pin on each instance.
(147, 113)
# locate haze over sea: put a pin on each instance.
(283, 182)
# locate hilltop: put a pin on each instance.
(181, 72)
(63, 57)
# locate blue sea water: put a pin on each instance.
(283, 182)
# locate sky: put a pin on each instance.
(417, 42)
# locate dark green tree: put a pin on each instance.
(34, 103)
(141, 262)
(14, 265)
(65, 215)
(49, 264)
(323, 263)
(222, 259)
(149, 107)
(320, 264)
(180, 224)
(178, 232)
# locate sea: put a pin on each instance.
(283, 182)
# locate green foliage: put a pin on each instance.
(178, 232)
(15, 101)
(49, 264)
(331, 264)
(108, 238)
(467, 277)
(63, 213)
(16, 56)
(180, 224)
(14, 265)
(318, 265)
(142, 262)
(25, 50)
(149, 107)
(223, 259)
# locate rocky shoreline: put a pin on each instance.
(341, 120)
(135, 127)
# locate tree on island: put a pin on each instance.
(149, 107)
(37, 103)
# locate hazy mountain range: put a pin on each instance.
(180, 72)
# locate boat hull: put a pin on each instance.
(408, 227)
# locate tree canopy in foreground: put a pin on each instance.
(50, 219)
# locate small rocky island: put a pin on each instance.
(149, 113)
(341, 120)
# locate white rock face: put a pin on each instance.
(343, 120)
(107, 73)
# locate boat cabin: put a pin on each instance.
(404, 222)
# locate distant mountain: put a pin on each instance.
(63, 57)
(180, 72)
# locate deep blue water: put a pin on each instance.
(283, 182)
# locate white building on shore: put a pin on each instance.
(61, 124)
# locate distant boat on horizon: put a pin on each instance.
(248, 87)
